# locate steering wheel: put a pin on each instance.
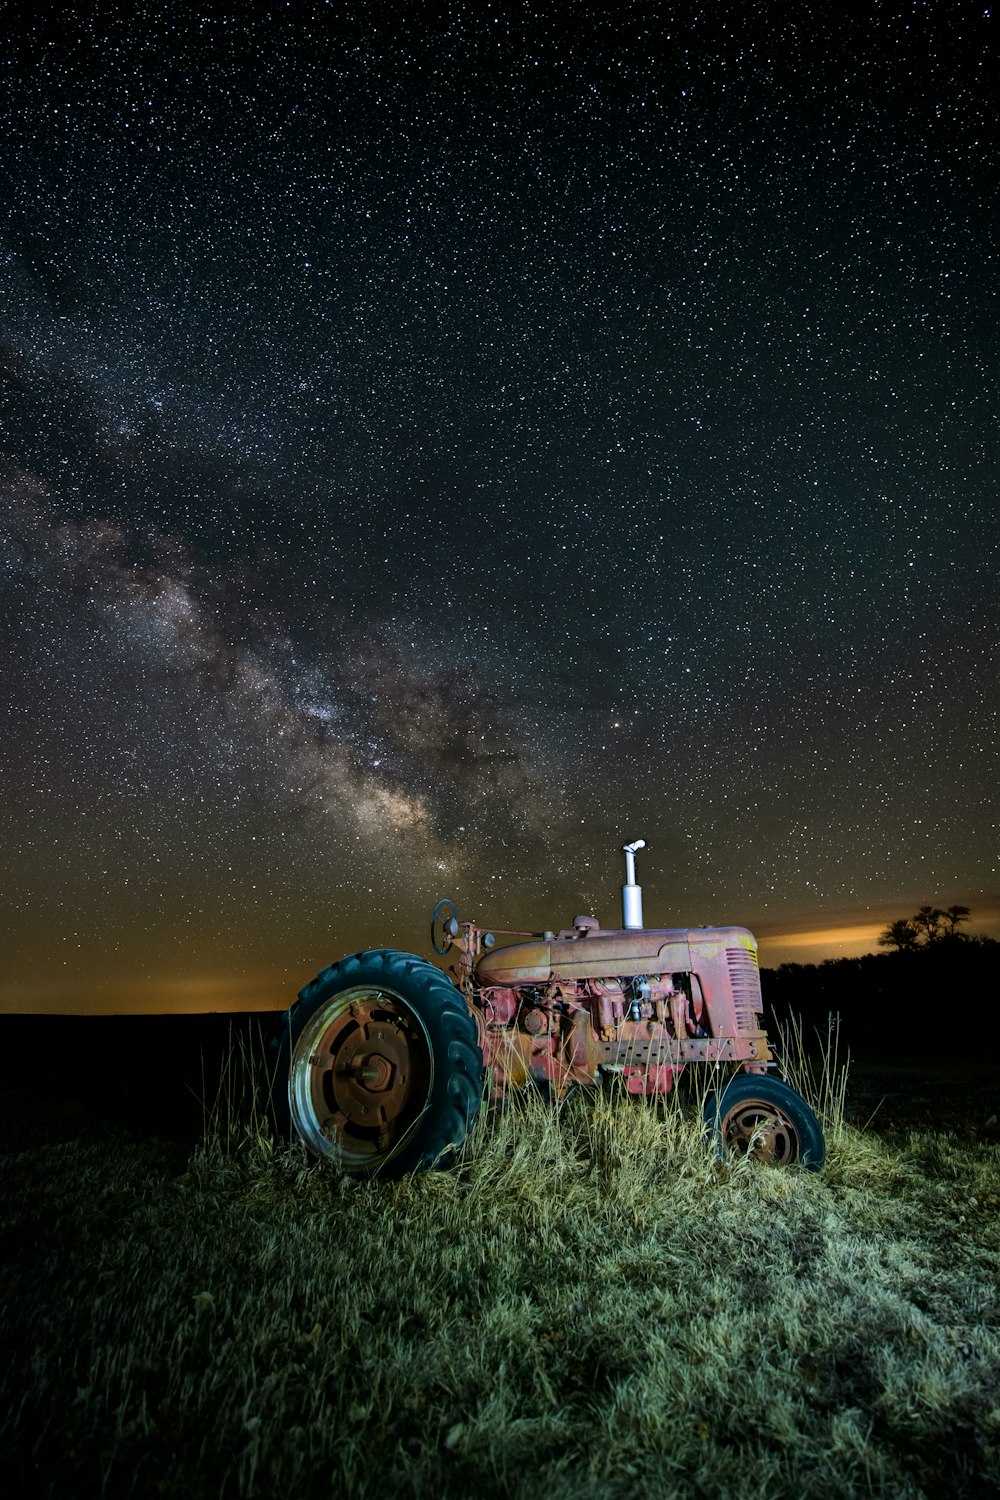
(445, 920)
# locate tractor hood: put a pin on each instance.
(606, 954)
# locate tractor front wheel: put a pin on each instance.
(378, 1067)
(760, 1116)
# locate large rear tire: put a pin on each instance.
(378, 1067)
(760, 1116)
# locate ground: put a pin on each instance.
(587, 1304)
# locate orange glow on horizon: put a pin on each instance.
(162, 996)
(273, 988)
(800, 943)
(811, 947)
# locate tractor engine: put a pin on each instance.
(574, 1006)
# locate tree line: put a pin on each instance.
(890, 1002)
(928, 925)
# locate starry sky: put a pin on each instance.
(440, 443)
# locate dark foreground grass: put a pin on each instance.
(587, 1306)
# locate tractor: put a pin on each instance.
(383, 1061)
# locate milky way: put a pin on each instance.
(435, 449)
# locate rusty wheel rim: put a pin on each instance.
(360, 1076)
(757, 1128)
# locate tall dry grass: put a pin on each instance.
(818, 1069)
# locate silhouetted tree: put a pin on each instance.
(930, 924)
(953, 916)
(928, 921)
(900, 934)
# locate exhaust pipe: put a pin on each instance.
(632, 893)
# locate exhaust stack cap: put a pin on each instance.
(631, 893)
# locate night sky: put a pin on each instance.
(438, 446)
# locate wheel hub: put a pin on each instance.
(362, 1074)
(374, 1073)
(369, 1075)
(763, 1132)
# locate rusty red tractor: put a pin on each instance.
(383, 1061)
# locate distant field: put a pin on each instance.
(588, 1305)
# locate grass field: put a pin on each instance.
(588, 1305)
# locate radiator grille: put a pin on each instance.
(745, 980)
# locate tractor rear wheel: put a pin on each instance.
(760, 1116)
(378, 1067)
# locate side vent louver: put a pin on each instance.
(745, 979)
